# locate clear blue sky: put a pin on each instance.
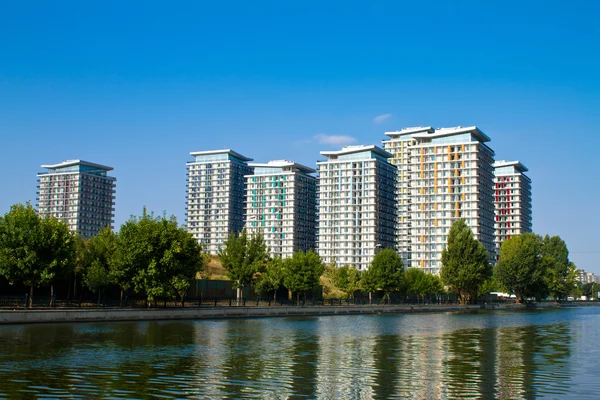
(138, 85)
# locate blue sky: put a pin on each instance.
(139, 85)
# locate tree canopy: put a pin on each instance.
(347, 279)
(520, 269)
(34, 250)
(302, 271)
(244, 258)
(385, 272)
(465, 262)
(156, 257)
(272, 278)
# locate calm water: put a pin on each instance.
(501, 354)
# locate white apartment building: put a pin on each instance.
(400, 146)
(356, 205)
(280, 203)
(447, 175)
(512, 200)
(215, 196)
(80, 193)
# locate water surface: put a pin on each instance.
(487, 354)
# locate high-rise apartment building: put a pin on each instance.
(400, 146)
(447, 175)
(280, 203)
(356, 205)
(80, 193)
(512, 200)
(215, 196)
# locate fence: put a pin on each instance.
(204, 301)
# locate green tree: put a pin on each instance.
(369, 282)
(419, 283)
(465, 262)
(79, 262)
(244, 258)
(99, 254)
(34, 251)
(387, 270)
(555, 257)
(302, 272)
(272, 278)
(97, 278)
(520, 269)
(156, 257)
(347, 279)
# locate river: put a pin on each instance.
(484, 354)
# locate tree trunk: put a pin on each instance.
(275, 295)
(297, 299)
(51, 293)
(98, 299)
(239, 293)
(370, 298)
(121, 299)
(31, 296)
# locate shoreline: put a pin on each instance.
(26, 316)
(9, 317)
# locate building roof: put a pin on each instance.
(440, 132)
(358, 149)
(282, 164)
(517, 164)
(222, 151)
(408, 131)
(70, 163)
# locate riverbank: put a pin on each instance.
(130, 314)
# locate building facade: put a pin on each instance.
(447, 175)
(356, 205)
(512, 201)
(400, 145)
(80, 193)
(280, 203)
(215, 196)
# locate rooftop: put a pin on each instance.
(357, 149)
(519, 166)
(283, 164)
(223, 151)
(71, 163)
(440, 132)
(408, 131)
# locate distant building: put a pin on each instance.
(587, 277)
(356, 205)
(215, 196)
(280, 203)
(512, 201)
(444, 174)
(80, 193)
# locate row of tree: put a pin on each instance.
(529, 266)
(247, 262)
(155, 257)
(150, 254)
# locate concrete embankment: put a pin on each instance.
(92, 315)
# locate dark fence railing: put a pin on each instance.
(204, 302)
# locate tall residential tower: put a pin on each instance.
(448, 174)
(357, 205)
(512, 200)
(280, 203)
(215, 196)
(79, 193)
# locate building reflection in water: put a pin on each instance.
(435, 356)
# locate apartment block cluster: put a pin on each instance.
(404, 195)
(360, 199)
